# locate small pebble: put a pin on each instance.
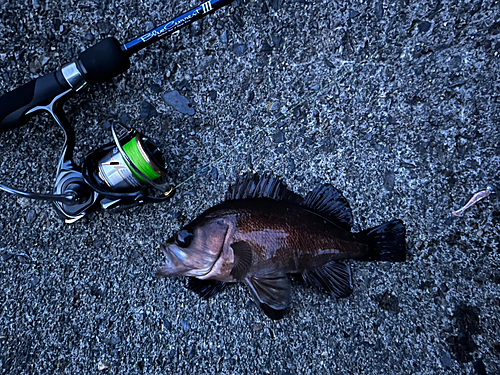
(279, 137)
(258, 327)
(223, 37)
(167, 325)
(35, 281)
(125, 118)
(185, 325)
(379, 10)
(147, 110)
(424, 26)
(266, 48)
(214, 174)
(23, 202)
(6, 256)
(171, 354)
(179, 102)
(275, 106)
(277, 42)
(276, 4)
(239, 49)
(30, 218)
(104, 27)
(213, 95)
(103, 365)
(291, 165)
(156, 88)
(446, 360)
(353, 13)
(388, 302)
(389, 180)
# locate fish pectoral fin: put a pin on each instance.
(334, 276)
(242, 259)
(271, 292)
(205, 288)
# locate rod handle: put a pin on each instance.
(103, 61)
(97, 64)
(16, 105)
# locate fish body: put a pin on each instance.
(282, 236)
(263, 231)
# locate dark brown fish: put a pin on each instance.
(263, 231)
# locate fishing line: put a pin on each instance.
(307, 98)
(137, 154)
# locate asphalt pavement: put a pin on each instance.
(395, 103)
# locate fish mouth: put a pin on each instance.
(168, 264)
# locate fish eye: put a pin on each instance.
(184, 238)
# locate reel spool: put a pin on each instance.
(121, 170)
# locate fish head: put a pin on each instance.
(194, 249)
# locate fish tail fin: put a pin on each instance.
(387, 242)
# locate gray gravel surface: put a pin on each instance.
(405, 124)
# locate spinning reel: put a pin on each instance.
(118, 174)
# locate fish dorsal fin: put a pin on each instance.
(250, 186)
(242, 259)
(334, 276)
(205, 288)
(330, 203)
(270, 291)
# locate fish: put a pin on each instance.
(475, 198)
(263, 232)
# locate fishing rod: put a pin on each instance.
(118, 174)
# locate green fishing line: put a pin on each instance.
(131, 148)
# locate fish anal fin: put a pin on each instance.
(205, 288)
(250, 186)
(334, 276)
(330, 203)
(271, 292)
(242, 259)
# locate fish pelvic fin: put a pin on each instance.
(329, 202)
(386, 242)
(271, 292)
(335, 277)
(205, 288)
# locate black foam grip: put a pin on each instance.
(104, 61)
(15, 104)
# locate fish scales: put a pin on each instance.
(291, 237)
